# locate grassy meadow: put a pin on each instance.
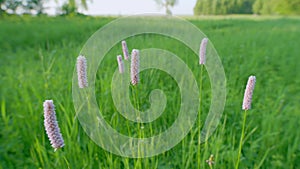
(38, 57)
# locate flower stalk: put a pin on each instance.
(246, 106)
(82, 71)
(51, 125)
(202, 52)
(134, 69)
(125, 50)
(120, 64)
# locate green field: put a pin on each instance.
(38, 57)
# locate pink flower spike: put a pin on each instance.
(134, 69)
(125, 50)
(202, 52)
(248, 93)
(82, 71)
(120, 64)
(51, 125)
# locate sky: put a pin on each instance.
(129, 7)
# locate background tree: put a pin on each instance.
(288, 7)
(271, 7)
(22, 6)
(199, 7)
(11, 6)
(167, 4)
(35, 5)
(257, 6)
(72, 6)
(222, 7)
(280, 7)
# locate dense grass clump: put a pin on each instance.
(38, 57)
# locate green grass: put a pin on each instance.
(38, 57)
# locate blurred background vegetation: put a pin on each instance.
(37, 7)
(269, 7)
(202, 7)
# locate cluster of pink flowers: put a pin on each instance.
(202, 52)
(82, 71)
(248, 93)
(134, 60)
(134, 68)
(51, 125)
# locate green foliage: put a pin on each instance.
(24, 6)
(257, 6)
(215, 7)
(12, 5)
(36, 6)
(71, 7)
(281, 7)
(200, 6)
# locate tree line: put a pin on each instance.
(27, 6)
(269, 7)
(38, 6)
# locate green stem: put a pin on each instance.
(183, 153)
(135, 95)
(241, 140)
(199, 121)
(138, 112)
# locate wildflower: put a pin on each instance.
(202, 52)
(248, 93)
(82, 71)
(134, 69)
(210, 161)
(125, 50)
(51, 125)
(120, 64)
